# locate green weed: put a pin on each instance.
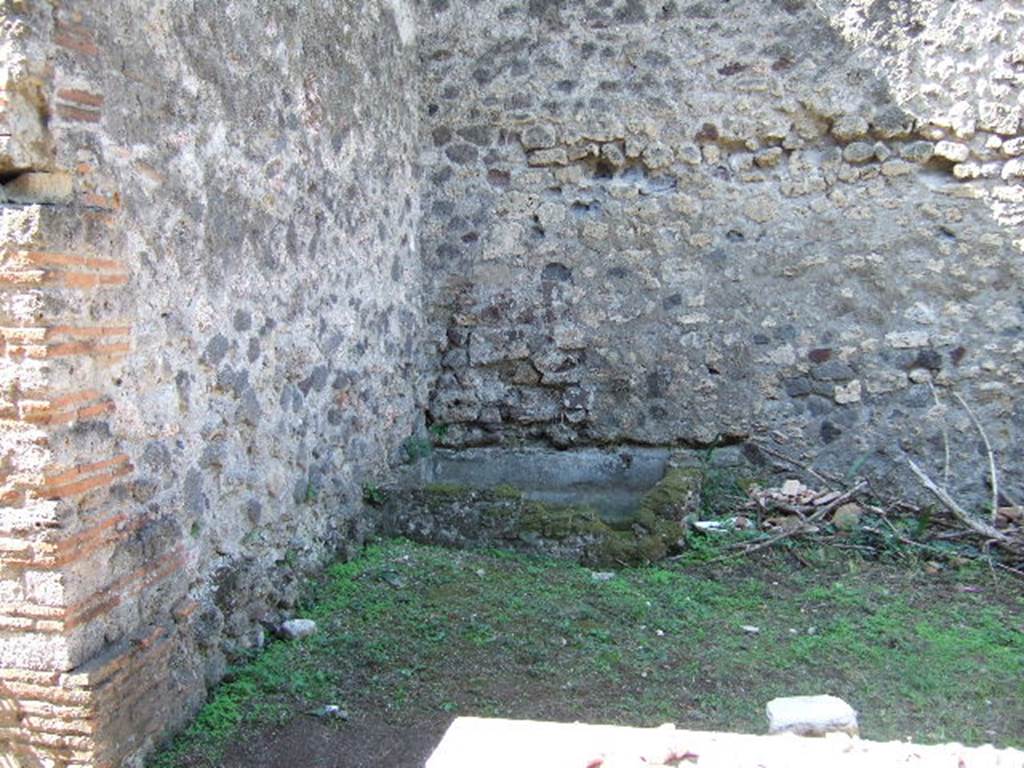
(407, 631)
(374, 495)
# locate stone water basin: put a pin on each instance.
(601, 506)
(612, 482)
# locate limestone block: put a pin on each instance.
(541, 157)
(811, 715)
(33, 188)
(952, 150)
(850, 127)
(858, 152)
(1013, 147)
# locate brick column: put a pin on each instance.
(84, 634)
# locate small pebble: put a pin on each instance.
(332, 711)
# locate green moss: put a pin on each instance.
(626, 549)
(647, 540)
(446, 490)
(646, 519)
(677, 494)
(507, 491)
(560, 521)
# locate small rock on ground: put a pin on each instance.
(296, 629)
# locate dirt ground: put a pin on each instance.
(363, 743)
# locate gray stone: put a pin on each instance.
(917, 151)
(216, 349)
(297, 629)
(953, 151)
(463, 154)
(893, 168)
(689, 154)
(833, 370)
(539, 137)
(556, 156)
(858, 152)
(850, 127)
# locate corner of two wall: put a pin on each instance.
(215, 313)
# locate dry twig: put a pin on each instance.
(972, 522)
(994, 481)
(829, 481)
(819, 514)
(936, 552)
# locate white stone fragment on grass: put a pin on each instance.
(710, 526)
(296, 629)
(811, 715)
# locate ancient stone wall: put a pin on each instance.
(671, 222)
(211, 318)
(693, 223)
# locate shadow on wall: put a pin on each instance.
(701, 223)
(958, 68)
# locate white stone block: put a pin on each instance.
(811, 715)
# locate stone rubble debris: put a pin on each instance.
(792, 501)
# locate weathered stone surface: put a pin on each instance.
(238, 256)
(811, 716)
(210, 247)
(953, 151)
(918, 151)
(297, 629)
(45, 188)
(850, 127)
(801, 208)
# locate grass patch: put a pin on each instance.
(409, 632)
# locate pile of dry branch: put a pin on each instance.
(842, 513)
